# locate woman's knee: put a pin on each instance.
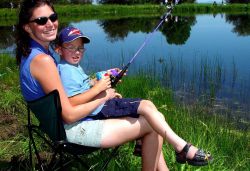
(144, 125)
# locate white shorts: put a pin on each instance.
(88, 133)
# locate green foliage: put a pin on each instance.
(11, 99)
(80, 12)
(188, 8)
(238, 1)
(9, 3)
(228, 144)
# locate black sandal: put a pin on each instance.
(200, 158)
(138, 148)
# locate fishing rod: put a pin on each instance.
(115, 76)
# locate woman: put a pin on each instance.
(36, 28)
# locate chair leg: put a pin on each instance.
(61, 159)
(30, 155)
(111, 155)
(57, 151)
(36, 151)
(53, 158)
(82, 163)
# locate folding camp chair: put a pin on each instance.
(48, 112)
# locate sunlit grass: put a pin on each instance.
(196, 124)
(80, 12)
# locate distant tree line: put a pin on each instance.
(129, 2)
(238, 1)
(15, 3)
(9, 4)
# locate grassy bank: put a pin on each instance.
(80, 12)
(210, 8)
(229, 146)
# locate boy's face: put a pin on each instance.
(72, 52)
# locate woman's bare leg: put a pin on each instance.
(158, 123)
(162, 166)
(119, 131)
(152, 145)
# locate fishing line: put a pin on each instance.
(115, 76)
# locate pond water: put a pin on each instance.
(200, 57)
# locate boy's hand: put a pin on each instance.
(103, 84)
(115, 72)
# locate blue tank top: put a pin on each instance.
(30, 87)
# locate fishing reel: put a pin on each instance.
(114, 76)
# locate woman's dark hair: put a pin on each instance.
(22, 37)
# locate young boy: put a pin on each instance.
(80, 88)
(70, 47)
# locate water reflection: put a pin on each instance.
(176, 29)
(7, 36)
(241, 24)
(188, 54)
(119, 29)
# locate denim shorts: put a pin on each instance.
(88, 133)
(119, 107)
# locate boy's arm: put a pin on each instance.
(91, 94)
(93, 82)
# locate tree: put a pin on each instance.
(177, 29)
(241, 24)
(140, 1)
(238, 1)
(9, 4)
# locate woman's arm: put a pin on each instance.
(42, 64)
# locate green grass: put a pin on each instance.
(80, 12)
(204, 8)
(197, 124)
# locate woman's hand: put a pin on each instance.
(110, 94)
(118, 95)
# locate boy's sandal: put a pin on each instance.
(137, 149)
(200, 158)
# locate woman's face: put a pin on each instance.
(44, 33)
(72, 52)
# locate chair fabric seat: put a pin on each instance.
(48, 111)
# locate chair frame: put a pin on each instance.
(61, 146)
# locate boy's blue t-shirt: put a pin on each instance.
(75, 81)
(30, 87)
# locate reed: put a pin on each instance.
(80, 12)
(196, 123)
(203, 8)
(11, 99)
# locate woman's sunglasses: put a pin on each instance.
(44, 20)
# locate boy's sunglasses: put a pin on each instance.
(44, 20)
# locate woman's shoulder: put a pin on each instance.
(43, 58)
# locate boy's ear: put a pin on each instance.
(58, 50)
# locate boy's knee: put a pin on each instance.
(163, 117)
(148, 104)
